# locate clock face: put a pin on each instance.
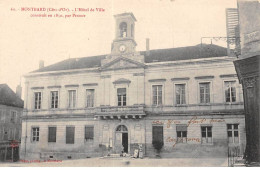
(122, 48)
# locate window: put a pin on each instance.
(2, 116)
(5, 134)
(72, 98)
(232, 130)
(123, 29)
(89, 133)
(230, 91)
(35, 134)
(70, 134)
(13, 116)
(54, 99)
(11, 134)
(52, 134)
(132, 30)
(121, 96)
(37, 100)
(206, 134)
(157, 134)
(204, 93)
(181, 133)
(180, 93)
(90, 97)
(157, 94)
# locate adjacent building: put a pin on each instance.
(11, 109)
(188, 99)
(247, 67)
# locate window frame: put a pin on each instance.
(118, 86)
(68, 98)
(86, 100)
(207, 142)
(182, 141)
(33, 99)
(233, 133)
(35, 141)
(15, 116)
(211, 90)
(70, 126)
(153, 135)
(5, 136)
(174, 93)
(89, 140)
(236, 87)
(122, 97)
(163, 94)
(51, 126)
(37, 102)
(50, 103)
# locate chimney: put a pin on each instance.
(19, 91)
(147, 47)
(41, 64)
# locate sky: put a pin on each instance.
(24, 40)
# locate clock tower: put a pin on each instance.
(124, 42)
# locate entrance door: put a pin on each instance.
(122, 138)
(125, 141)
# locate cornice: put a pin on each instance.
(180, 78)
(37, 88)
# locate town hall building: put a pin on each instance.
(188, 99)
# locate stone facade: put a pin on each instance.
(11, 109)
(124, 98)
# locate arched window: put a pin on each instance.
(123, 29)
(121, 128)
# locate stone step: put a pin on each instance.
(114, 155)
(239, 165)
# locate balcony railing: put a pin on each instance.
(135, 111)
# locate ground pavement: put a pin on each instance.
(126, 162)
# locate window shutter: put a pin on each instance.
(181, 128)
(52, 134)
(158, 133)
(70, 133)
(89, 132)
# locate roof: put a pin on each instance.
(158, 55)
(125, 14)
(8, 97)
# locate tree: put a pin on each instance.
(158, 144)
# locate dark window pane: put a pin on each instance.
(203, 134)
(229, 133)
(209, 134)
(178, 133)
(235, 126)
(184, 134)
(236, 133)
(229, 126)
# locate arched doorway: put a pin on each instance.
(122, 137)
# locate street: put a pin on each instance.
(127, 162)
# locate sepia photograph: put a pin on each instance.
(140, 83)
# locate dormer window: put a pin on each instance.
(123, 29)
